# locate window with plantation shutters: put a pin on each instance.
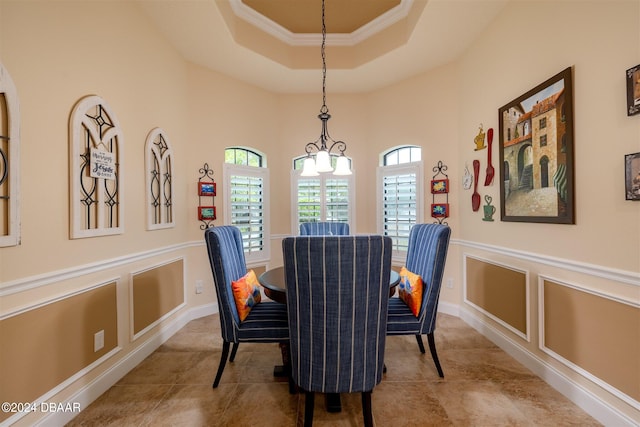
(322, 198)
(400, 199)
(246, 204)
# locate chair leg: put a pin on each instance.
(434, 354)
(366, 409)
(223, 361)
(234, 349)
(308, 408)
(420, 344)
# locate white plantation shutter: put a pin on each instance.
(246, 207)
(309, 200)
(400, 202)
(322, 198)
(336, 199)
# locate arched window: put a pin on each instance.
(95, 170)
(9, 162)
(325, 197)
(246, 179)
(400, 195)
(159, 156)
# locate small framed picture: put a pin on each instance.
(206, 189)
(206, 213)
(440, 210)
(633, 90)
(439, 186)
(632, 176)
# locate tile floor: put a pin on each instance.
(483, 386)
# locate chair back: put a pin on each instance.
(426, 256)
(337, 300)
(226, 255)
(324, 229)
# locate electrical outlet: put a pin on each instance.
(98, 341)
(198, 286)
(449, 283)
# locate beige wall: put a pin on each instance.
(58, 52)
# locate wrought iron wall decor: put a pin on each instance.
(439, 189)
(9, 162)
(159, 156)
(95, 170)
(206, 192)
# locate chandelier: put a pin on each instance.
(322, 161)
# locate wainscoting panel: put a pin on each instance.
(43, 346)
(499, 291)
(155, 293)
(584, 329)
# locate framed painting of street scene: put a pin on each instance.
(536, 154)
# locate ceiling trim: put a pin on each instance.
(378, 24)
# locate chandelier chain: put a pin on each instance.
(324, 108)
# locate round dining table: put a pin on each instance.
(275, 288)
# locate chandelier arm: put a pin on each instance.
(340, 145)
(311, 146)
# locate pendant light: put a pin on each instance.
(322, 162)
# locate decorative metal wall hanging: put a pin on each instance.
(9, 161)
(439, 189)
(206, 196)
(95, 170)
(488, 209)
(159, 156)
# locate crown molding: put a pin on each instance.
(265, 24)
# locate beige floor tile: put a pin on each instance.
(483, 386)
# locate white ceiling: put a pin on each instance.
(197, 29)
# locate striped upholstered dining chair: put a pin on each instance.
(426, 256)
(266, 321)
(324, 229)
(337, 298)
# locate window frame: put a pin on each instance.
(257, 258)
(323, 177)
(414, 167)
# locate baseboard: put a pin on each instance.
(583, 398)
(90, 392)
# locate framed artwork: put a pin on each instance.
(633, 90)
(536, 154)
(440, 210)
(206, 188)
(206, 213)
(439, 186)
(632, 176)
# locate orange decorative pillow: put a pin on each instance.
(246, 293)
(411, 288)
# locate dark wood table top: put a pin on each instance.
(275, 288)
